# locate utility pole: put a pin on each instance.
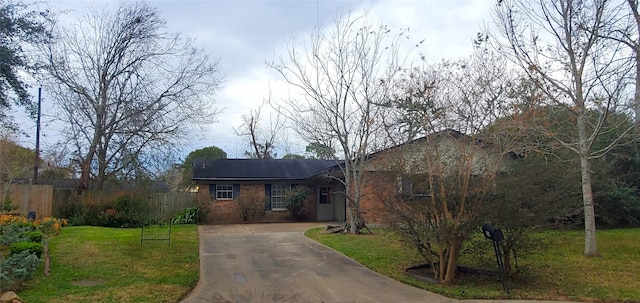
(37, 160)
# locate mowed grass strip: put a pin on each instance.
(98, 264)
(559, 272)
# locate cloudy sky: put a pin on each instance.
(243, 34)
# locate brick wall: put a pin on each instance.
(228, 211)
(376, 187)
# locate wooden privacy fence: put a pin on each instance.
(29, 197)
(47, 202)
(64, 198)
(161, 205)
(165, 205)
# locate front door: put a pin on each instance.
(325, 205)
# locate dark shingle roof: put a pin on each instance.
(260, 169)
(452, 133)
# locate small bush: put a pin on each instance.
(17, 268)
(7, 219)
(203, 210)
(127, 210)
(251, 206)
(187, 216)
(130, 211)
(13, 233)
(8, 205)
(617, 205)
(75, 211)
(35, 236)
(295, 201)
(30, 247)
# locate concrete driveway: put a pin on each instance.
(264, 263)
(277, 263)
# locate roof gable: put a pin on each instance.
(446, 133)
(260, 169)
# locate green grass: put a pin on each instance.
(560, 272)
(122, 269)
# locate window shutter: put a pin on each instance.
(267, 196)
(236, 190)
(212, 191)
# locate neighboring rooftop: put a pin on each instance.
(260, 169)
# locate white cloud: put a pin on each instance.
(243, 33)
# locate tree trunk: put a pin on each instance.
(102, 169)
(590, 242)
(506, 258)
(352, 218)
(636, 101)
(85, 165)
(85, 172)
(351, 184)
(442, 255)
(452, 263)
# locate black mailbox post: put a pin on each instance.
(492, 233)
(495, 235)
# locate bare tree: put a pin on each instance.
(342, 75)
(560, 45)
(261, 139)
(634, 44)
(448, 174)
(626, 31)
(127, 91)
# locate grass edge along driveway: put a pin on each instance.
(559, 271)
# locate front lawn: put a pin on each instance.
(98, 264)
(560, 272)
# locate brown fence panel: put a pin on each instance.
(165, 205)
(161, 205)
(65, 198)
(30, 197)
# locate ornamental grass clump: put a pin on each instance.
(187, 216)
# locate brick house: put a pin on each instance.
(393, 171)
(388, 172)
(228, 183)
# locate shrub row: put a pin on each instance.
(25, 240)
(30, 247)
(126, 210)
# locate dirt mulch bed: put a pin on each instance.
(425, 273)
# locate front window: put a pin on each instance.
(279, 193)
(224, 192)
(413, 185)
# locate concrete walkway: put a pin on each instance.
(276, 263)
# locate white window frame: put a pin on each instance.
(279, 191)
(224, 191)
